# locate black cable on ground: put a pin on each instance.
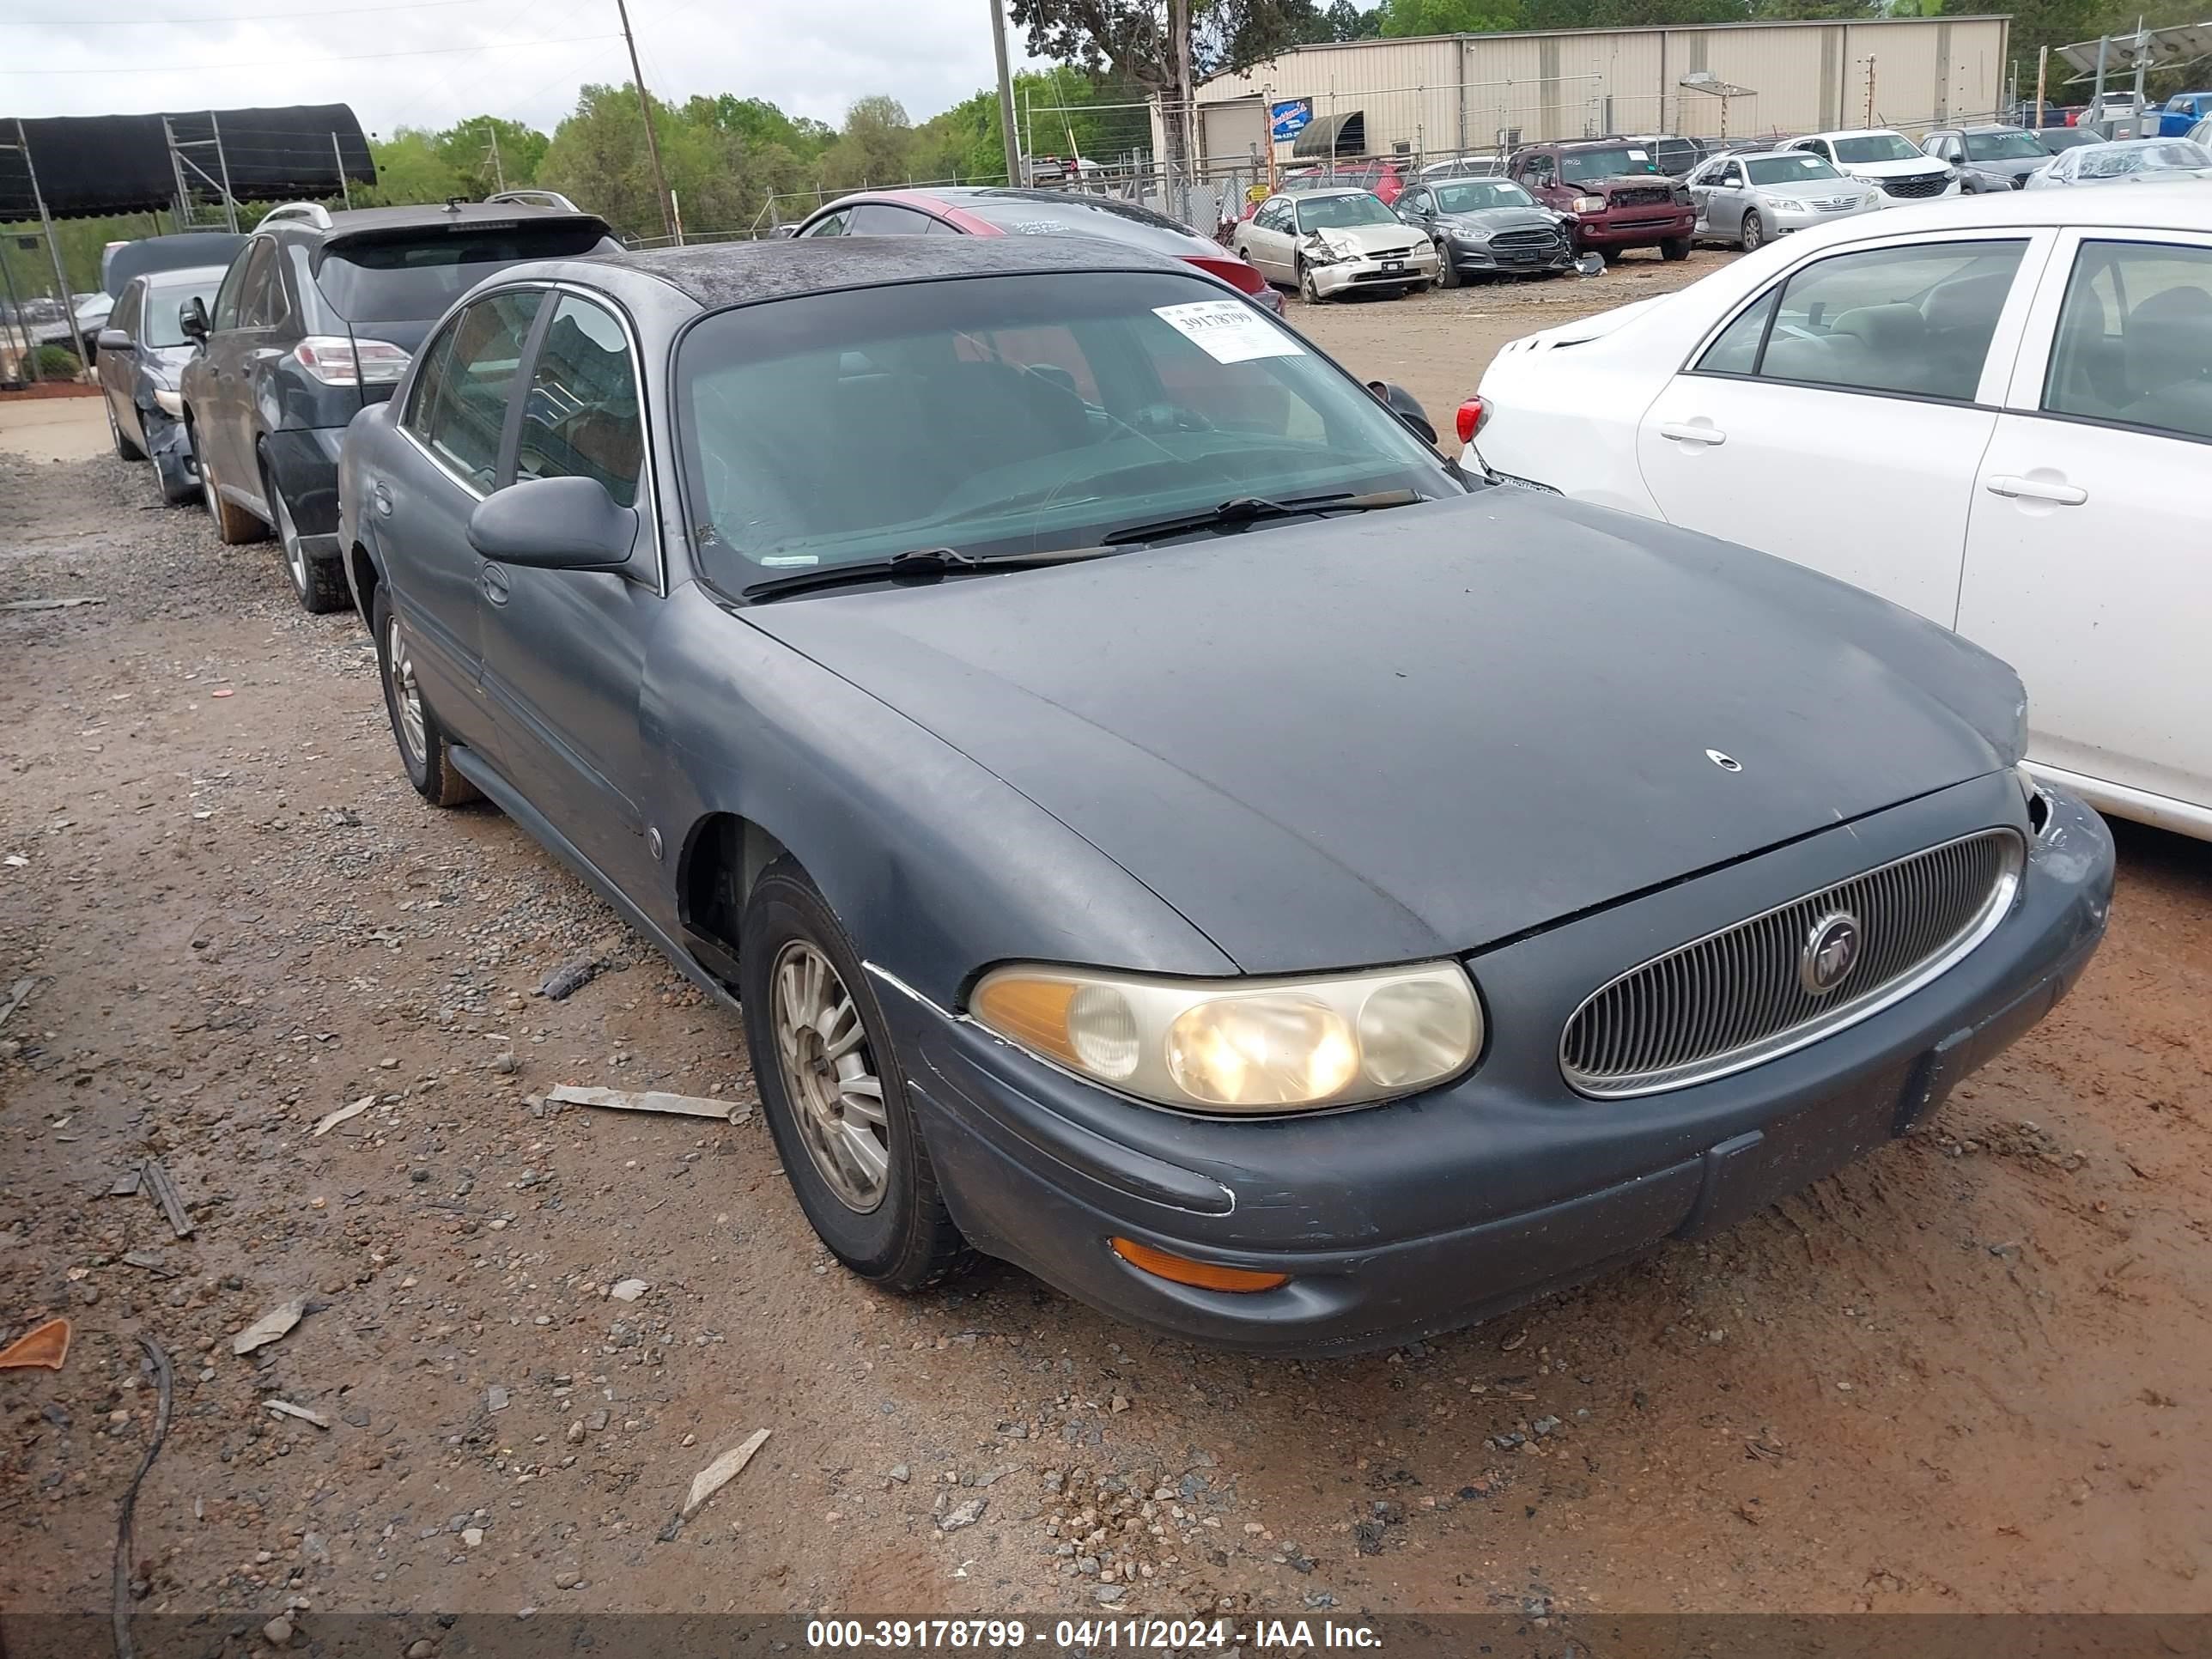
(166, 1384)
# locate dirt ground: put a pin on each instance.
(1969, 1373)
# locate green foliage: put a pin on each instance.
(411, 167)
(1402, 18)
(55, 362)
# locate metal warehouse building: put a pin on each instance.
(1453, 93)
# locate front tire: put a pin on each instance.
(833, 1094)
(1309, 289)
(179, 484)
(125, 449)
(1447, 273)
(234, 525)
(424, 751)
(1754, 235)
(1675, 251)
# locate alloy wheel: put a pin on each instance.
(829, 1075)
(1754, 233)
(287, 534)
(406, 694)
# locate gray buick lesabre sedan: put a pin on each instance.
(1165, 825)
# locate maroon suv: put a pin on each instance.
(1615, 192)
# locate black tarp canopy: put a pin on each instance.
(1332, 136)
(90, 165)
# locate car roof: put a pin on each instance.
(1756, 154)
(350, 221)
(1855, 132)
(1321, 195)
(1991, 126)
(2178, 206)
(737, 273)
(181, 274)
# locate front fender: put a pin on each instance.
(936, 867)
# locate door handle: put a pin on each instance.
(2036, 490)
(494, 583)
(1705, 433)
(381, 495)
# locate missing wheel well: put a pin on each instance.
(723, 857)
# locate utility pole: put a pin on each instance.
(1006, 94)
(499, 173)
(651, 138)
(2042, 74)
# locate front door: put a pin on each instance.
(1838, 420)
(564, 650)
(452, 425)
(1721, 195)
(118, 369)
(219, 429)
(1268, 240)
(2088, 567)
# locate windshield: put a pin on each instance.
(1578, 166)
(1473, 198)
(2057, 138)
(1875, 147)
(1330, 212)
(414, 277)
(1008, 414)
(161, 325)
(2113, 160)
(1788, 169)
(2003, 147)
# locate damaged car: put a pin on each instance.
(142, 351)
(1160, 821)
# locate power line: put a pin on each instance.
(301, 62)
(240, 17)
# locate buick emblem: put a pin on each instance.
(1832, 949)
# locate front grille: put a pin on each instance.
(1929, 184)
(1640, 196)
(1832, 204)
(1737, 997)
(1525, 241)
(1642, 224)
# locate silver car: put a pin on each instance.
(2126, 162)
(142, 350)
(1329, 242)
(1751, 198)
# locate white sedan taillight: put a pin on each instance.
(336, 360)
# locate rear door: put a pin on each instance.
(564, 650)
(443, 460)
(2088, 565)
(236, 335)
(1838, 419)
(118, 369)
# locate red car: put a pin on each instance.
(1000, 212)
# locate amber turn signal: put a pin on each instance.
(1205, 1275)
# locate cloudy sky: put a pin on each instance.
(428, 63)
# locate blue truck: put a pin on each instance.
(2182, 111)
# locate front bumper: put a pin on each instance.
(1634, 227)
(1400, 1221)
(1488, 260)
(1787, 220)
(1417, 266)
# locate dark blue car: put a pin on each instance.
(1164, 824)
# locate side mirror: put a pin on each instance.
(1402, 403)
(554, 524)
(192, 317)
(782, 232)
(111, 340)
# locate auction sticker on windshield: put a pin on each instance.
(1228, 330)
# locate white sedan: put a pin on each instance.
(1996, 412)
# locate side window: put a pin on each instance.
(1736, 350)
(832, 225)
(1916, 320)
(581, 417)
(234, 283)
(469, 412)
(253, 305)
(429, 379)
(126, 314)
(882, 219)
(2134, 344)
(1731, 175)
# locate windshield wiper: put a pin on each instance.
(916, 563)
(1251, 509)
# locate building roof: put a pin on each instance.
(1626, 28)
(735, 273)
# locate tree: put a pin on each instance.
(1346, 21)
(411, 166)
(467, 148)
(1403, 18)
(876, 146)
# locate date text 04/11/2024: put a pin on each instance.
(1088, 1636)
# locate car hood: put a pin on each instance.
(2015, 166)
(1488, 221)
(1907, 168)
(1393, 237)
(1623, 181)
(1420, 731)
(1814, 190)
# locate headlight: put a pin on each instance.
(172, 401)
(1322, 252)
(1589, 203)
(1237, 1046)
(1471, 238)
